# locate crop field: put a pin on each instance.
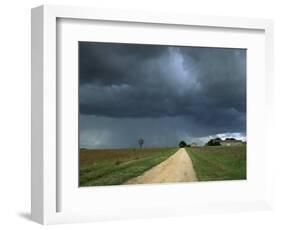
(116, 166)
(214, 163)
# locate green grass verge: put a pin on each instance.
(215, 163)
(112, 172)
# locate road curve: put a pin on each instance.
(177, 168)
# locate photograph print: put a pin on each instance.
(161, 114)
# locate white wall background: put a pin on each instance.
(15, 112)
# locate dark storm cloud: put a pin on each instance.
(114, 64)
(128, 90)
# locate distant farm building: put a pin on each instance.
(226, 142)
(193, 144)
(231, 142)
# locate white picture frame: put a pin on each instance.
(46, 181)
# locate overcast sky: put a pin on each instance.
(163, 94)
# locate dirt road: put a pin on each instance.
(177, 168)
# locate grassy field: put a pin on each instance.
(215, 163)
(115, 166)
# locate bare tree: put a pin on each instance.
(141, 141)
